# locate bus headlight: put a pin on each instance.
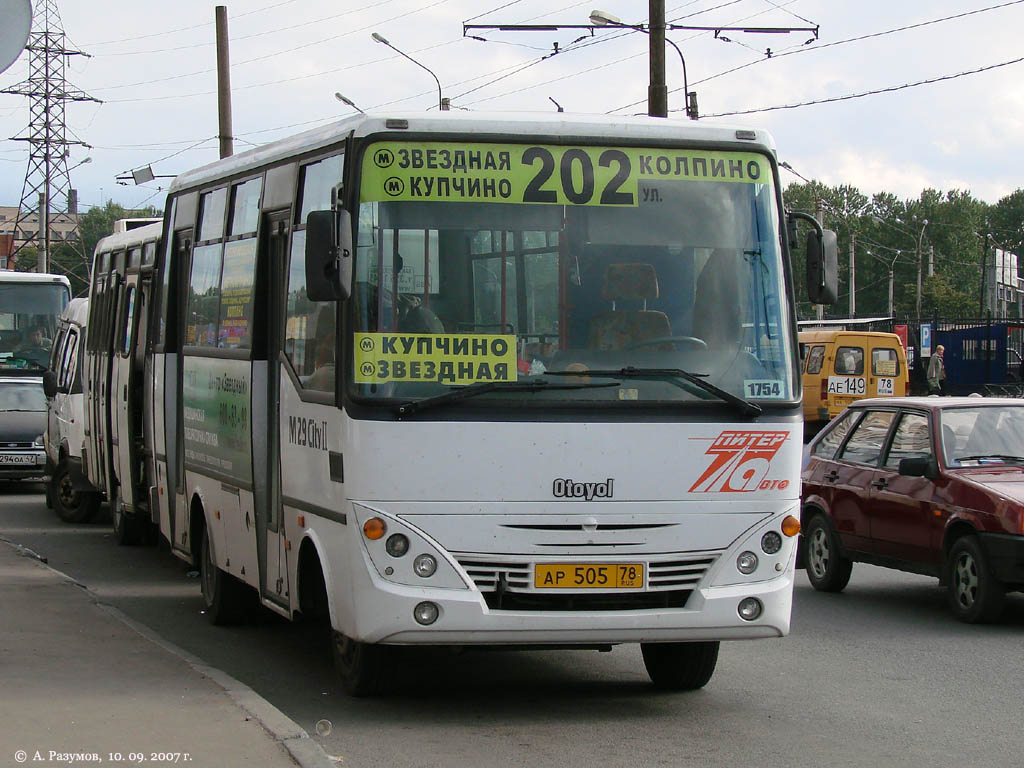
(397, 545)
(424, 566)
(771, 543)
(746, 563)
(426, 613)
(750, 608)
(38, 442)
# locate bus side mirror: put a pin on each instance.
(328, 255)
(822, 267)
(50, 384)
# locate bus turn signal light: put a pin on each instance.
(374, 528)
(790, 526)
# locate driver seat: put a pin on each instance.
(617, 329)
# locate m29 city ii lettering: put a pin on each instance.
(569, 489)
(308, 433)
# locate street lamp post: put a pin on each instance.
(889, 265)
(442, 104)
(920, 240)
(657, 91)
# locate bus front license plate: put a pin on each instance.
(588, 576)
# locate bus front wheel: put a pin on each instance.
(360, 666)
(680, 666)
(72, 506)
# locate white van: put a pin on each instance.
(69, 492)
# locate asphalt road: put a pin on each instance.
(879, 675)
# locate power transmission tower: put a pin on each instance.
(47, 178)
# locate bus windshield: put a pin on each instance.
(28, 323)
(593, 265)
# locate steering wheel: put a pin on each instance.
(693, 341)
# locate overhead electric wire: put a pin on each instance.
(862, 94)
(276, 53)
(190, 28)
(499, 8)
(623, 32)
(823, 46)
(239, 38)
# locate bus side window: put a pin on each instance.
(309, 335)
(309, 326)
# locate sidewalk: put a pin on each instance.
(80, 683)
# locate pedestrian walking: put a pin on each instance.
(936, 371)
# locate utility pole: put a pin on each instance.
(853, 276)
(920, 239)
(46, 178)
(227, 146)
(657, 90)
(984, 266)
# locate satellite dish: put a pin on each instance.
(17, 16)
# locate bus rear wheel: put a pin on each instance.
(360, 666)
(680, 666)
(223, 597)
(127, 529)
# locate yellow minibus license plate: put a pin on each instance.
(588, 576)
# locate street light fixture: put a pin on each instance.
(442, 103)
(600, 18)
(920, 239)
(349, 102)
(888, 265)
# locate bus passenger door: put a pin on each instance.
(265, 417)
(173, 414)
(123, 394)
(103, 436)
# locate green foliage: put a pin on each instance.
(888, 233)
(99, 222)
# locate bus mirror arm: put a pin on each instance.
(328, 255)
(822, 260)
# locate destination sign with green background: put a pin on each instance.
(541, 173)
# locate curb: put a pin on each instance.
(302, 748)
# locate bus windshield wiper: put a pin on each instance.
(671, 375)
(482, 387)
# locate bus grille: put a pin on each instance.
(506, 584)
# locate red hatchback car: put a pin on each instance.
(931, 485)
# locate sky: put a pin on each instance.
(153, 66)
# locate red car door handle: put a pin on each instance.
(880, 484)
(832, 476)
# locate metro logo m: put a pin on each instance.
(741, 462)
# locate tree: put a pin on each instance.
(1006, 222)
(67, 260)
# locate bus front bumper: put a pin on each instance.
(464, 618)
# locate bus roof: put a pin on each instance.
(637, 130)
(10, 276)
(136, 236)
(76, 312)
